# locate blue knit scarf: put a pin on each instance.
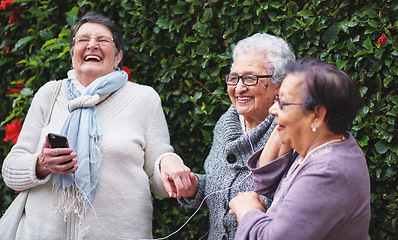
(82, 128)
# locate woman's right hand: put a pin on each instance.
(273, 149)
(178, 180)
(245, 202)
(57, 160)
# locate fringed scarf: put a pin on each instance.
(83, 131)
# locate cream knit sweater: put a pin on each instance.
(135, 135)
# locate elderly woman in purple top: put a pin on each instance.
(321, 188)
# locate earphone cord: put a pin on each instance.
(183, 225)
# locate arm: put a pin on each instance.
(29, 162)
(273, 149)
(306, 212)
(266, 178)
(161, 164)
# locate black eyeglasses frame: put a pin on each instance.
(281, 103)
(243, 79)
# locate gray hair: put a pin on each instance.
(277, 53)
(93, 17)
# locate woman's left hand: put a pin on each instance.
(245, 202)
(176, 177)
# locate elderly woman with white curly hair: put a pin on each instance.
(256, 75)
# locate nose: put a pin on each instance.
(273, 110)
(92, 43)
(240, 87)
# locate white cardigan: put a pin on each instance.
(135, 135)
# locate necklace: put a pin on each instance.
(301, 161)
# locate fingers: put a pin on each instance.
(176, 177)
(182, 182)
(179, 181)
(46, 143)
(57, 160)
(245, 202)
(232, 212)
(169, 185)
(65, 167)
(262, 202)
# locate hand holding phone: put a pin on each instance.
(58, 141)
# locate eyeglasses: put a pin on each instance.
(101, 40)
(247, 79)
(281, 103)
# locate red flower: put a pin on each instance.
(5, 4)
(383, 39)
(14, 90)
(19, 85)
(12, 131)
(6, 50)
(127, 70)
(13, 19)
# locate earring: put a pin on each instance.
(314, 129)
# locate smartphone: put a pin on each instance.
(57, 141)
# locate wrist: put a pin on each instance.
(41, 169)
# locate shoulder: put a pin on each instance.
(49, 86)
(344, 162)
(45, 92)
(141, 90)
(133, 96)
(230, 115)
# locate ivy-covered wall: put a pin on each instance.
(183, 49)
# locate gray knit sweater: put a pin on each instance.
(226, 166)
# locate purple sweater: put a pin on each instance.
(329, 198)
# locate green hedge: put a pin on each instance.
(183, 49)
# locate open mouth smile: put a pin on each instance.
(92, 58)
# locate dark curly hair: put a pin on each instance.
(327, 86)
(93, 17)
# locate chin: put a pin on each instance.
(284, 139)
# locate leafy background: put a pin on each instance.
(183, 48)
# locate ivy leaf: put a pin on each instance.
(363, 141)
(393, 112)
(387, 80)
(330, 35)
(381, 147)
(71, 16)
(305, 13)
(202, 49)
(368, 45)
(341, 63)
(190, 39)
(178, 8)
(370, 13)
(26, 92)
(22, 42)
(163, 23)
(361, 53)
(393, 99)
(373, 23)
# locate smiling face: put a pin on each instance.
(91, 60)
(252, 102)
(293, 125)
